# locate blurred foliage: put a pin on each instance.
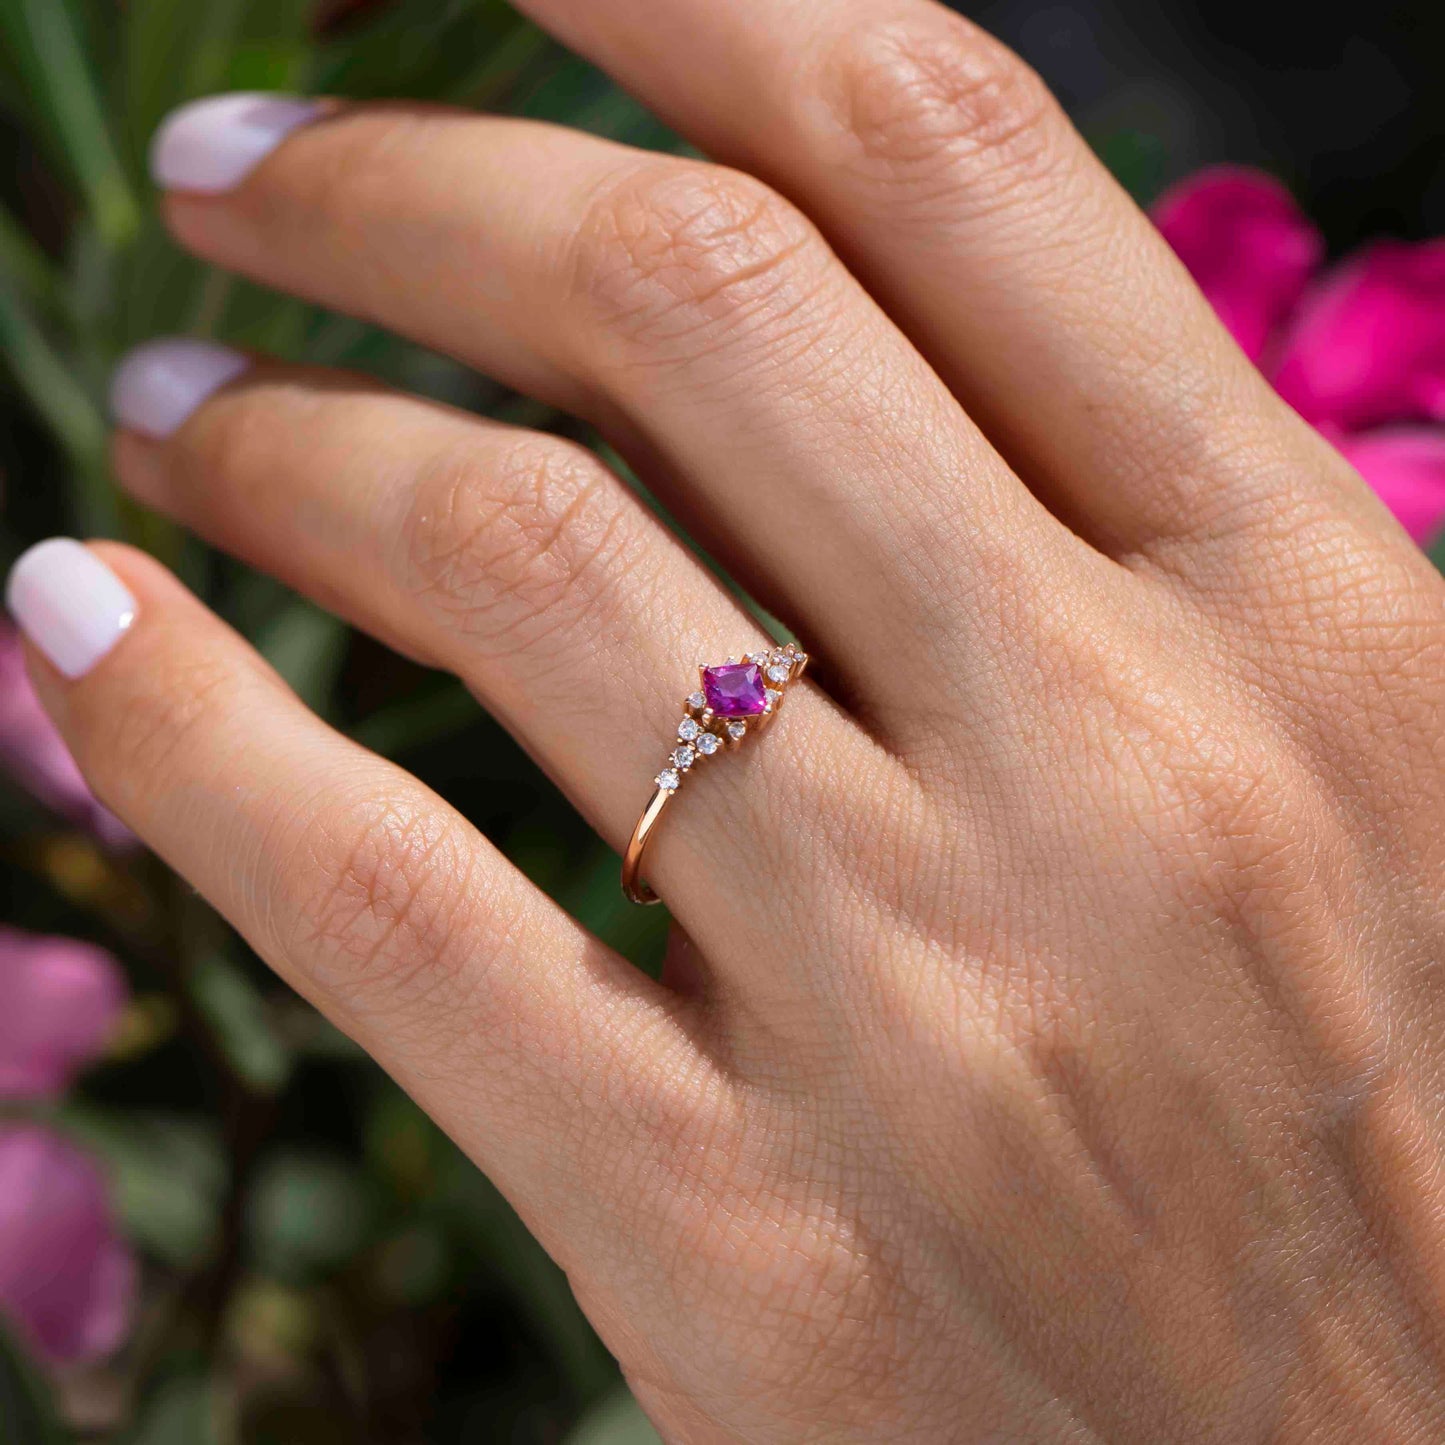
(321, 1264)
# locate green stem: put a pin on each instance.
(51, 60)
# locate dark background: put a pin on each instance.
(320, 1264)
(1345, 102)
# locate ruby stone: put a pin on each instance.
(734, 689)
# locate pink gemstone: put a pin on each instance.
(735, 689)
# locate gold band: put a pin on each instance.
(634, 885)
(734, 699)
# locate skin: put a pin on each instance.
(1051, 1048)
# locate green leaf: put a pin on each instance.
(47, 381)
(454, 50)
(183, 1408)
(27, 1415)
(65, 407)
(171, 51)
(1138, 159)
(44, 46)
(27, 270)
(429, 716)
(307, 647)
(237, 1015)
(617, 1420)
(308, 1215)
(177, 50)
(168, 1176)
(589, 889)
(1436, 552)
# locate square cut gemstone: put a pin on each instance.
(735, 689)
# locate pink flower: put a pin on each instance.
(32, 752)
(67, 1280)
(59, 1002)
(1358, 351)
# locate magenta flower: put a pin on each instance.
(59, 1002)
(32, 752)
(1358, 351)
(67, 1279)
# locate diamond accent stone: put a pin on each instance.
(736, 729)
(688, 729)
(682, 757)
(778, 672)
(696, 701)
(771, 698)
(668, 780)
(735, 689)
(708, 744)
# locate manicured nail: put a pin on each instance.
(212, 145)
(69, 604)
(159, 384)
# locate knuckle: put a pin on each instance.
(382, 890)
(1227, 810)
(675, 256)
(929, 91)
(515, 548)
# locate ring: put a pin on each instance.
(735, 699)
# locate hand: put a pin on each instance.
(1054, 1048)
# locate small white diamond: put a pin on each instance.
(696, 701)
(737, 729)
(668, 780)
(683, 757)
(778, 672)
(758, 659)
(687, 729)
(708, 744)
(770, 697)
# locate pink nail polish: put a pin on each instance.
(69, 604)
(159, 384)
(212, 145)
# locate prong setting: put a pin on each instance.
(736, 699)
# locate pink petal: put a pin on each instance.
(67, 1280)
(1367, 346)
(1406, 466)
(1248, 245)
(32, 752)
(59, 1001)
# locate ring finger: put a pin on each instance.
(513, 559)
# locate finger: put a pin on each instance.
(677, 304)
(940, 167)
(547, 1056)
(513, 559)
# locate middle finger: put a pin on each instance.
(701, 322)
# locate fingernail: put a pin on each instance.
(69, 604)
(212, 145)
(159, 384)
